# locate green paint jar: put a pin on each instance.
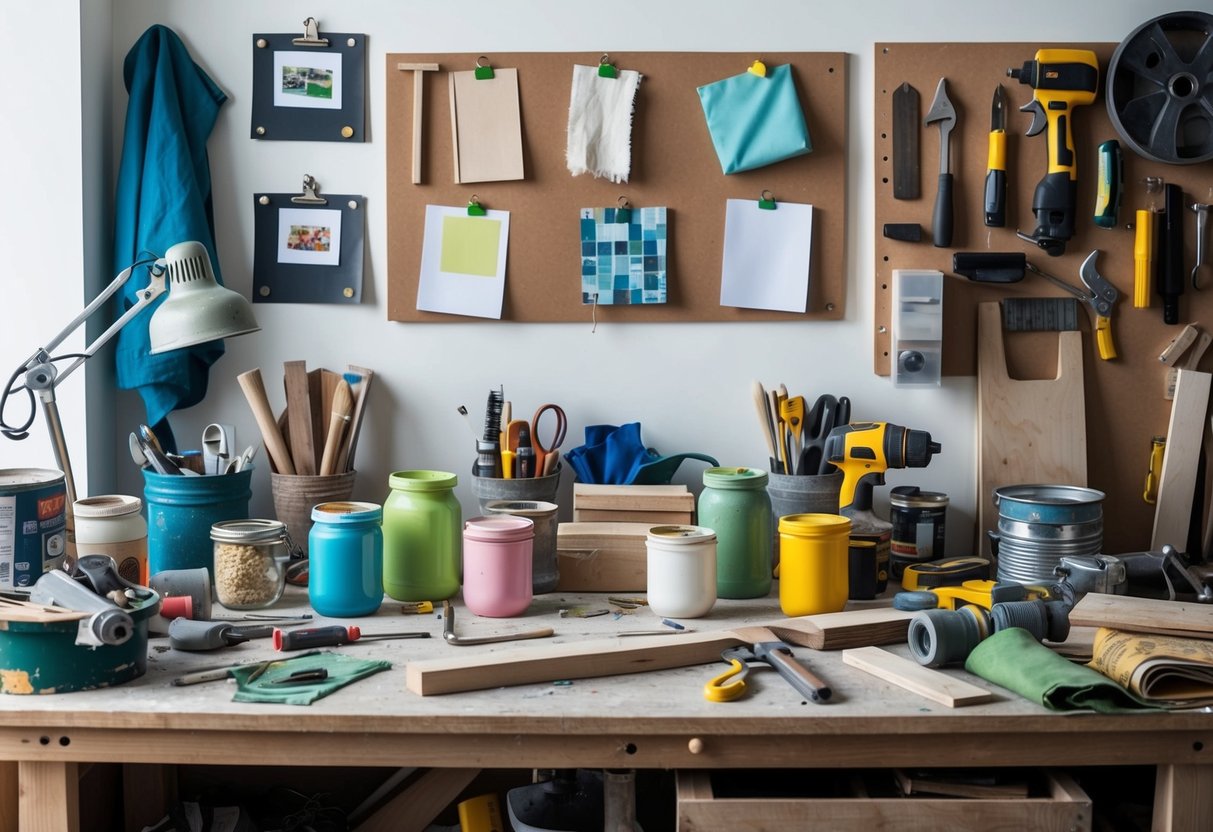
(734, 504)
(422, 536)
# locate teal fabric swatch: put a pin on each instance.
(341, 670)
(755, 121)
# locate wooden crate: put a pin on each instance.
(1065, 808)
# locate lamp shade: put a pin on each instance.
(197, 309)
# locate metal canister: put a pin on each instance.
(33, 525)
(919, 523)
(1038, 525)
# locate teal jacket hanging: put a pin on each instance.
(163, 197)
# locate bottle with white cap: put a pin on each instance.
(112, 524)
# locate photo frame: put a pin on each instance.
(308, 248)
(309, 88)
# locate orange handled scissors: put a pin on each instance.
(545, 449)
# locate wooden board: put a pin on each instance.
(632, 497)
(609, 657)
(299, 420)
(933, 684)
(673, 165)
(1176, 484)
(1144, 615)
(602, 557)
(1028, 431)
(1124, 397)
(645, 518)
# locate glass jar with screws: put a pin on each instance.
(250, 562)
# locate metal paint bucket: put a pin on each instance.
(1038, 525)
(33, 525)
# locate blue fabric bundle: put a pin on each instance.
(615, 455)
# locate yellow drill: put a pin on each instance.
(1062, 79)
(865, 450)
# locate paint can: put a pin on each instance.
(918, 519)
(33, 526)
(1038, 525)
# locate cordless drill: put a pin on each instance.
(865, 450)
(1062, 79)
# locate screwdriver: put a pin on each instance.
(331, 637)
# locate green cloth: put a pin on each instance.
(342, 670)
(1014, 659)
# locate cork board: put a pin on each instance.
(673, 165)
(1125, 405)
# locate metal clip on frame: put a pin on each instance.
(311, 35)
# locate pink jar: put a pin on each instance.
(497, 565)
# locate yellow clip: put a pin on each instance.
(729, 685)
(416, 607)
(759, 69)
(1157, 445)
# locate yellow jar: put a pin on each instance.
(813, 565)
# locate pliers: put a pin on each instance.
(731, 684)
(1100, 295)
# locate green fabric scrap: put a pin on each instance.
(341, 669)
(1014, 659)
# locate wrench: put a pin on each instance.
(943, 113)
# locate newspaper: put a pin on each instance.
(1167, 671)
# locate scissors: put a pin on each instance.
(543, 450)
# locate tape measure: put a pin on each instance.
(948, 572)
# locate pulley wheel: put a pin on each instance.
(1160, 88)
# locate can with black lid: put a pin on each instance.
(918, 519)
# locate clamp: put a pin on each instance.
(1100, 295)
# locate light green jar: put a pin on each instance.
(422, 536)
(734, 504)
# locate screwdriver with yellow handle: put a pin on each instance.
(1158, 446)
(1143, 259)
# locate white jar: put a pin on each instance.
(112, 524)
(681, 570)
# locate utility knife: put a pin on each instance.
(996, 166)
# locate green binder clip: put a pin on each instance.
(606, 69)
(474, 207)
(484, 72)
(766, 201)
(624, 212)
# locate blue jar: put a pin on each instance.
(345, 559)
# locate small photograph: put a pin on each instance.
(309, 236)
(307, 79)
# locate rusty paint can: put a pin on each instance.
(33, 525)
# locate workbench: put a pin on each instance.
(655, 720)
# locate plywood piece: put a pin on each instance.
(633, 497)
(1176, 484)
(933, 684)
(610, 657)
(486, 127)
(1028, 431)
(673, 165)
(602, 557)
(415, 808)
(1144, 615)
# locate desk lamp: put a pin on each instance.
(196, 310)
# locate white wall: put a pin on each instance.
(688, 384)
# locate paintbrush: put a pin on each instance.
(343, 403)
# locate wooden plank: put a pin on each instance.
(8, 796)
(1183, 798)
(1144, 615)
(1185, 433)
(415, 808)
(49, 799)
(924, 681)
(602, 557)
(648, 518)
(418, 70)
(609, 657)
(299, 416)
(633, 497)
(1028, 431)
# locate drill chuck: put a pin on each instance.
(919, 448)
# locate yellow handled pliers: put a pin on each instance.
(1099, 295)
(731, 684)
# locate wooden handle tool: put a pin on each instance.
(339, 417)
(254, 392)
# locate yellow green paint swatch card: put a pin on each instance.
(463, 262)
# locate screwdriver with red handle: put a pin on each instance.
(331, 637)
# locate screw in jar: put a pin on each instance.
(250, 556)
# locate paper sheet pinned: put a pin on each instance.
(463, 262)
(486, 126)
(766, 256)
(600, 123)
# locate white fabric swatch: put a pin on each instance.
(600, 123)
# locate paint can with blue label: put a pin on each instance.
(33, 525)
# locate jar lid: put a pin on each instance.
(347, 511)
(523, 508)
(248, 531)
(815, 525)
(682, 534)
(422, 480)
(735, 478)
(911, 496)
(107, 505)
(499, 527)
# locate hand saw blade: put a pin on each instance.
(905, 143)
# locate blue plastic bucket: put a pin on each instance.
(181, 511)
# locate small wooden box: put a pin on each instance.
(655, 505)
(602, 557)
(1064, 807)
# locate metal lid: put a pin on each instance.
(681, 534)
(499, 527)
(347, 511)
(422, 480)
(28, 477)
(248, 531)
(525, 508)
(815, 525)
(107, 505)
(1047, 494)
(911, 496)
(735, 478)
